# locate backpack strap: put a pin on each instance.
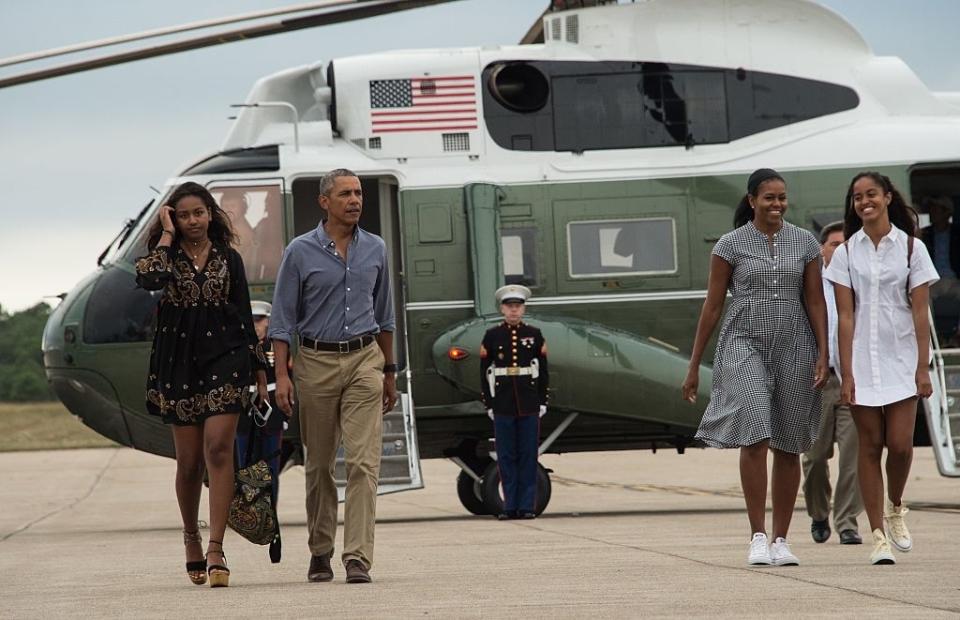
(910, 240)
(846, 247)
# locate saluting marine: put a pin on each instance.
(513, 365)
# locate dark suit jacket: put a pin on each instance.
(954, 246)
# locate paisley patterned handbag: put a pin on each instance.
(253, 509)
(252, 512)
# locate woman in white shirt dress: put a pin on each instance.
(884, 338)
(771, 356)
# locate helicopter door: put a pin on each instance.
(400, 457)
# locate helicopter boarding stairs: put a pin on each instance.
(943, 407)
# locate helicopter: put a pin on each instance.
(596, 163)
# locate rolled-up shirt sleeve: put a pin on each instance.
(383, 311)
(286, 299)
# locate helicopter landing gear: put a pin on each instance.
(492, 491)
(478, 484)
(470, 492)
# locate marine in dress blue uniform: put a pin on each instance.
(514, 378)
(269, 433)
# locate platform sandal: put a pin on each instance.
(219, 573)
(197, 569)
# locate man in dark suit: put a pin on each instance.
(942, 238)
(514, 378)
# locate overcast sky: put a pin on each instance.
(78, 154)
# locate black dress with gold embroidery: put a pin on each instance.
(205, 348)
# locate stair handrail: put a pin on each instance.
(938, 362)
(947, 441)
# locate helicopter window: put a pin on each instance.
(624, 247)
(256, 213)
(519, 247)
(651, 107)
(118, 310)
(762, 101)
(620, 104)
(256, 159)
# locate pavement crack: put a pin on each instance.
(764, 572)
(56, 511)
(643, 488)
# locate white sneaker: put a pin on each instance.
(759, 550)
(882, 554)
(780, 554)
(896, 527)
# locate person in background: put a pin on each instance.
(269, 431)
(882, 279)
(771, 358)
(514, 380)
(234, 203)
(942, 239)
(836, 425)
(268, 237)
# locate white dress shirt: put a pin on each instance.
(884, 338)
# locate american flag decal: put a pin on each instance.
(444, 103)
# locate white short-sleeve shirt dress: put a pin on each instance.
(884, 338)
(766, 351)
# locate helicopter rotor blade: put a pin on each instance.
(535, 33)
(361, 9)
(169, 30)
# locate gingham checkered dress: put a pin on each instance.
(766, 351)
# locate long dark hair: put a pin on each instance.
(220, 232)
(900, 213)
(744, 212)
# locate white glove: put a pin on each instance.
(490, 413)
(543, 410)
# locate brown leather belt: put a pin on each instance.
(344, 346)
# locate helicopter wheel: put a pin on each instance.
(493, 500)
(470, 493)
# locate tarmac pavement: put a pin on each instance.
(96, 534)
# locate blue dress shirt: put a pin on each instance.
(322, 297)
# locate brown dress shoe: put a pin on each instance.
(320, 569)
(357, 572)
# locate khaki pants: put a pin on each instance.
(836, 424)
(341, 399)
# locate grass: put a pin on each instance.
(45, 426)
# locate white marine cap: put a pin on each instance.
(512, 292)
(260, 308)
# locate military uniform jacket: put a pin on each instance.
(507, 350)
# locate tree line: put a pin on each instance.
(21, 361)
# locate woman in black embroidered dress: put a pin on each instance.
(205, 356)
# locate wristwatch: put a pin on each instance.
(390, 368)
